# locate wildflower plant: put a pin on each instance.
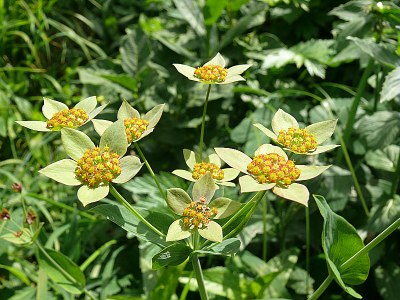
(59, 116)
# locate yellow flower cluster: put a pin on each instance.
(97, 166)
(211, 73)
(134, 128)
(273, 168)
(297, 140)
(201, 169)
(197, 214)
(71, 118)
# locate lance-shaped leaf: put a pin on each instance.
(171, 256)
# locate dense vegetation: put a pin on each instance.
(316, 60)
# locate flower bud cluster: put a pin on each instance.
(197, 214)
(202, 168)
(134, 128)
(273, 168)
(97, 166)
(71, 118)
(5, 215)
(298, 140)
(211, 73)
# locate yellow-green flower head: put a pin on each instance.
(213, 72)
(71, 118)
(197, 212)
(271, 169)
(286, 132)
(94, 167)
(98, 166)
(59, 116)
(211, 164)
(136, 127)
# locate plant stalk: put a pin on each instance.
(265, 233)
(199, 276)
(150, 170)
(307, 212)
(133, 211)
(203, 122)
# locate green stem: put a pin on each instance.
(203, 122)
(307, 212)
(265, 233)
(134, 212)
(396, 180)
(354, 176)
(364, 250)
(150, 170)
(354, 106)
(185, 290)
(199, 276)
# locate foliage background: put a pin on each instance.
(314, 59)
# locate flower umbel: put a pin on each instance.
(213, 72)
(211, 164)
(273, 168)
(197, 212)
(59, 116)
(98, 166)
(134, 128)
(286, 132)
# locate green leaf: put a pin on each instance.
(119, 215)
(50, 107)
(74, 283)
(75, 143)
(225, 207)
(384, 159)
(383, 214)
(234, 158)
(130, 166)
(228, 247)
(204, 187)
(154, 115)
(135, 51)
(322, 130)
(88, 104)
(101, 125)
(17, 272)
(115, 138)
(62, 171)
(213, 10)
(380, 129)
(171, 256)
(190, 158)
(390, 88)
(24, 238)
(176, 232)
(34, 125)
(177, 200)
(340, 241)
(191, 12)
(90, 195)
(213, 232)
(387, 278)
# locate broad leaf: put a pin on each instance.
(75, 143)
(115, 138)
(390, 88)
(171, 256)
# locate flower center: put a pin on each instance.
(273, 168)
(211, 73)
(297, 140)
(71, 118)
(98, 166)
(197, 214)
(134, 128)
(202, 168)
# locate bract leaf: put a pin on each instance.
(115, 138)
(101, 125)
(190, 158)
(172, 255)
(126, 111)
(130, 166)
(34, 125)
(234, 158)
(90, 195)
(230, 174)
(50, 107)
(176, 232)
(340, 241)
(177, 200)
(322, 149)
(249, 184)
(322, 130)
(295, 192)
(268, 148)
(62, 171)
(75, 142)
(308, 172)
(266, 131)
(283, 121)
(88, 104)
(225, 207)
(154, 115)
(213, 232)
(184, 174)
(204, 187)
